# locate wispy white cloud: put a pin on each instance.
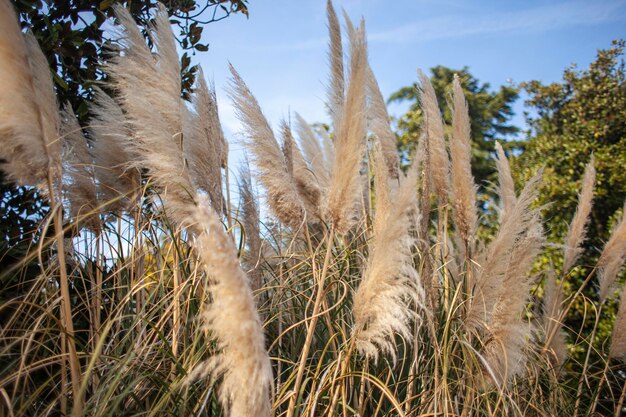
(537, 19)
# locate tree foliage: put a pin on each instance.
(584, 114)
(490, 115)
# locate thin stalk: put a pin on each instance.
(583, 375)
(620, 403)
(66, 306)
(311, 330)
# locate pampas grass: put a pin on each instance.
(117, 181)
(318, 161)
(612, 259)
(293, 310)
(30, 122)
(80, 187)
(462, 183)
(439, 161)
(283, 196)
(345, 190)
(576, 231)
(391, 289)
(204, 146)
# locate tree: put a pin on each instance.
(490, 114)
(569, 121)
(72, 36)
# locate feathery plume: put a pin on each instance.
(243, 362)
(204, 145)
(313, 152)
(80, 188)
(496, 259)
(306, 184)
(436, 143)
(506, 189)
(30, 123)
(391, 286)
(618, 339)
(335, 56)
(110, 135)
(344, 192)
(552, 299)
(504, 352)
(380, 127)
(328, 147)
(382, 186)
(154, 110)
(612, 258)
(251, 226)
(283, 197)
(576, 232)
(463, 187)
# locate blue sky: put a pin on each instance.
(280, 51)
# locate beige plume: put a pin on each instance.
(283, 196)
(335, 56)
(385, 300)
(507, 330)
(29, 127)
(380, 126)
(313, 152)
(463, 187)
(350, 138)
(204, 146)
(612, 258)
(156, 118)
(506, 188)
(496, 259)
(552, 300)
(577, 228)
(110, 135)
(439, 162)
(306, 184)
(79, 185)
(618, 339)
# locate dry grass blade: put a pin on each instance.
(350, 138)
(576, 232)
(283, 197)
(463, 187)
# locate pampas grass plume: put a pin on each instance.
(577, 228)
(350, 137)
(283, 197)
(463, 187)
